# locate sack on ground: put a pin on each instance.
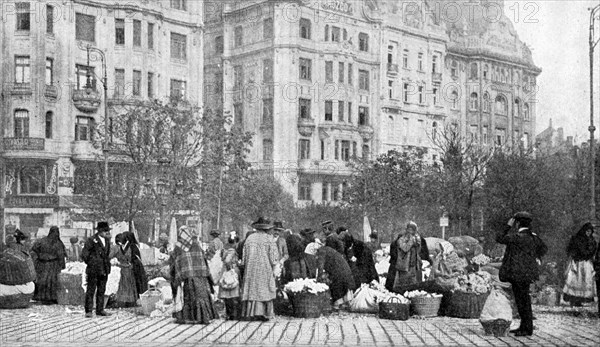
(364, 301)
(497, 306)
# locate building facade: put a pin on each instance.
(55, 96)
(321, 82)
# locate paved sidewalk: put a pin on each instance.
(59, 327)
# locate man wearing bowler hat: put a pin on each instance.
(519, 265)
(96, 255)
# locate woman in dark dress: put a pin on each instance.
(299, 264)
(48, 256)
(360, 259)
(337, 270)
(139, 273)
(189, 271)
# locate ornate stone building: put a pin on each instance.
(53, 92)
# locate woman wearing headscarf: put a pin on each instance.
(299, 264)
(360, 259)
(48, 256)
(139, 273)
(405, 259)
(580, 285)
(259, 257)
(190, 274)
(19, 244)
(127, 253)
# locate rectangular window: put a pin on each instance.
(363, 115)
(485, 134)
(219, 82)
(304, 191)
(325, 192)
(420, 62)
(179, 4)
(267, 150)
(336, 192)
(304, 149)
(305, 29)
(500, 136)
(177, 89)
(85, 74)
(305, 69)
(436, 96)
(22, 69)
(434, 64)
(268, 28)
(345, 153)
(366, 152)
(350, 71)
(150, 85)
(322, 150)
(405, 92)
(119, 31)
(421, 95)
(178, 46)
(267, 115)
(391, 89)
(84, 129)
(85, 27)
(349, 112)
(405, 59)
(23, 16)
(119, 82)
(341, 72)
(304, 111)
(363, 80)
(335, 34)
(337, 150)
(329, 110)
(363, 42)
(49, 19)
(238, 36)
(137, 33)
(267, 70)
(328, 71)
(238, 77)
(137, 83)
(32, 180)
(526, 140)
(219, 45)
(238, 114)
(48, 125)
(21, 124)
(49, 71)
(340, 111)
(354, 149)
(150, 36)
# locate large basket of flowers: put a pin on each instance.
(469, 295)
(423, 303)
(308, 297)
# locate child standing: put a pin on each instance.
(229, 284)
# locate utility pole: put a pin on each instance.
(593, 42)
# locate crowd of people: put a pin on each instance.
(248, 274)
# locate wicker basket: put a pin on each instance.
(282, 306)
(307, 305)
(425, 306)
(15, 301)
(394, 310)
(498, 327)
(465, 305)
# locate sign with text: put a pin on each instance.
(444, 221)
(32, 201)
(23, 144)
(338, 6)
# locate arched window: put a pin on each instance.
(474, 101)
(327, 33)
(526, 112)
(486, 102)
(21, 123)
(474, 72)
(48, 125)
(454, 99)
(501, 105)
(517, 107)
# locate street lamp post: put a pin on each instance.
(90, 48)
(593, 42)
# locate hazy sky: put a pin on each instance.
(557, 32)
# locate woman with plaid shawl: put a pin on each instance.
(190, 274)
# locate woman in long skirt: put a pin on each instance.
(48, 256)
(127, 293)
(580, 286)
(260, 256)
(190, 281)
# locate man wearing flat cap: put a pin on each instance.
(96, 255)
(520, 265)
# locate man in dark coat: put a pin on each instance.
(332, 239)
(96, 255)
(520, 265)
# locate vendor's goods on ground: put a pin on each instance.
(16, 296)
(466, 246)
(548, 296)
(497, 314)
(309, 298)
(469, 295)
(16, 267)
(368, 297)
(72, 284)
(423, 303)
(149, 299)
(393, 308)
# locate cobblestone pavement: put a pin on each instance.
(41, 326)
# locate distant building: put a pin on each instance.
(552, 141)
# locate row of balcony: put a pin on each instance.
(394, 70)
(307, 126)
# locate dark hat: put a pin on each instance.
(326, 223)
(19, 235)
(103, 226)
(373, 235)
(341, 230)
(307, 232)
(215, 232)
(523, 216)
(73, 239)
(262, 224)
(278, 225)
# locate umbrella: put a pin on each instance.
(366, 229)
(173, 232)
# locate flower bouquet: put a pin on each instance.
(309, 298)
(469, 295)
